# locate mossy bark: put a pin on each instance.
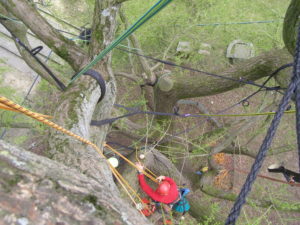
(63, 47)
(291, 25)
(37, 190)
(192, 84)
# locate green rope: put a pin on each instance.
(8, 18)
(130, 47)
(148, 15)
(233, 23)
(244, 114)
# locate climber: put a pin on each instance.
(289, 175)
(166, 192)
(182, 206)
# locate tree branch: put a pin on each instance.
(290, 25)
(131, 77)
(145, 65)
(20, 31)
(63, 47)
(248, 152)
(55, 194)
(196, 84)
(206, 184)
(202, 109)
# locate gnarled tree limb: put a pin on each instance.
(41, 191)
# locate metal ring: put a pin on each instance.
(245, 103)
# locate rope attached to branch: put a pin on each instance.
(236, 209)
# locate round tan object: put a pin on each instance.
(142, 156)
(113, 161)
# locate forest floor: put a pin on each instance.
(18, 76)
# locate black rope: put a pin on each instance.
(36, 50)
(195, 70)
(136, 111)
(59, 83)
(297, 96)
(241, 199)
(120, 145)
(28, 93)
(200, 123)
(66, 32)
(69, 24)
(97, 76)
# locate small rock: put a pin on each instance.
(184, 46)
(203, 52)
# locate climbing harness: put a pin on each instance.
(182, 206)
(148, 15)
(149, 208)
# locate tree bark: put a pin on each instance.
(20, 31)
(290, 26)
(26, 12)
(190, 85)
(36, 190)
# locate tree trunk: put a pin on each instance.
(173, 87)
(291, 25)
(36, 190)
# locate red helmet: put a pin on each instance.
(163, 188)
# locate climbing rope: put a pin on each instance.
(186, 115)
(241, 80)
(148, 15)
(131, 163)
(28, 93)
(39, 117)
(235, 211)
(97, 123)
(33, 54)
(237, 23)
(268, 178)
(49, 14)
(5, 107)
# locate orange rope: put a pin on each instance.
(11, 105)
(123, 180)
(137, 159)
(2, 106)
(131, 163)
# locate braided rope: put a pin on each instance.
(40, 118)
(13, 106)
(236, 209)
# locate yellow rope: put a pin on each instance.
(126, 183)
(137, 159)
(118, 177)
(2, 106)
(131, 163)
(11, 105)
(244, 114)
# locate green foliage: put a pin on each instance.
(6, 91)
(211, 220)
(18, 140)
(2, 61)
(175, 23)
